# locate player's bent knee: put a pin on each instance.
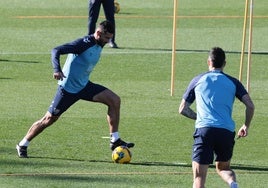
(113, 100)
(116, 100)
(49, 119)
(222, 166)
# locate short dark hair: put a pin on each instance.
(107, 26)
(217, 56)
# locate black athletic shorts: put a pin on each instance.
(212, 141)
(63, 99)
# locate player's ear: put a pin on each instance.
(98, 33)
(209, 62)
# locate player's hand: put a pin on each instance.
(243, 131)
(58, 75)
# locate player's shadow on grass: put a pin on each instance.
(249, 167)
(166, 164)
(234, 166)
(17, 61)
(169, 50)
(187, 50)
(160, 164)
(14, 61)
(5, 78)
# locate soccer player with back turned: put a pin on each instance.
(214, 93)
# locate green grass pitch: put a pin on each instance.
(75, 151)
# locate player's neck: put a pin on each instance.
(215, 69)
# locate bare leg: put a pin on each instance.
(113, 102)
(225, 172)
(199, 174)
(40, 125)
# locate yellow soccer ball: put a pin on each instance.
(121, 154)
(116, 7)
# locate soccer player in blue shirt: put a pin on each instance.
(74, 84)
(214, 93)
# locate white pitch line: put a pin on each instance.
(105, 137)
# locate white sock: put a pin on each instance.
(24, 142)
(234, 185)
(114, 136)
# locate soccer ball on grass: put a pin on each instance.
(116, 7)
(121, 154)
